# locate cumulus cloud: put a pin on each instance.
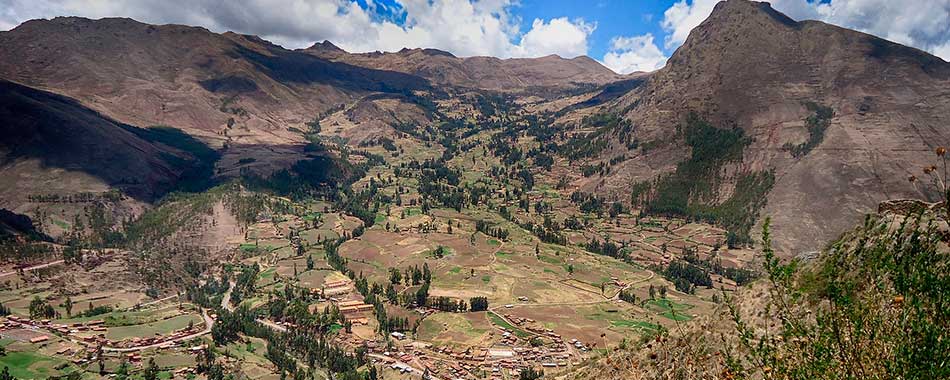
(560, 34)
(463, 27)
(630, 54)
(924, 24)
(682, 17)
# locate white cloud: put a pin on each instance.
(463, 27)
(680, 18)
(924, 24)
(558, 35)
(943, 51)
(630, 54)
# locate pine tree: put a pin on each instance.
(151, 372)
(122, 373)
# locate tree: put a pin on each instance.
(72, 254)
(5, 375)
(68, 304)
(122, 373)
(100, 359)
(422, 294)
(531, 374)
(39, 308)
(309, 262)
(478, 304)
(395, 276)
(205, 360)
(652, 292)
(391, 294)
(151, 372)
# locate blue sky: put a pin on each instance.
(624, 35)
(613, 17)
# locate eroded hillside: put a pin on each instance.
(223, 206)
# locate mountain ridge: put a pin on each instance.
(749, 66)
(481, 72)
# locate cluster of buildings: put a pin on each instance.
(95, 326)
(91, 333)
(335, 288)
(506, 357)
(355, 311)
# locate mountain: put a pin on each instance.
(838, 117)
(45, 130)
(219, 87)
(506, 215)
(515, 75)
(878, 281)
(243, 92)
(57, 155)
(823, 121)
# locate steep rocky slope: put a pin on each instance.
(58, 132)
(882, 105)
(58, 157)
(873, 306)
(245, 97)
(220, 87)
(752, 67)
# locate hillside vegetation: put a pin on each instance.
(874, 305)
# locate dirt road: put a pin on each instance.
(35, 267)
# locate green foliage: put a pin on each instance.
(97, 310)
(686, 276)
(162, 260)
(696, 178)
(691, 191)
(40, 309)
(816, 124)
(876, 306)
(196, 173)
(478, 304)
(594, 143)
(531, 374)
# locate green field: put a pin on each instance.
(670, 309)
(32, 365)
(162, 327)
(502, 323)
(645, 326)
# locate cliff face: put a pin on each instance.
(752, 67)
